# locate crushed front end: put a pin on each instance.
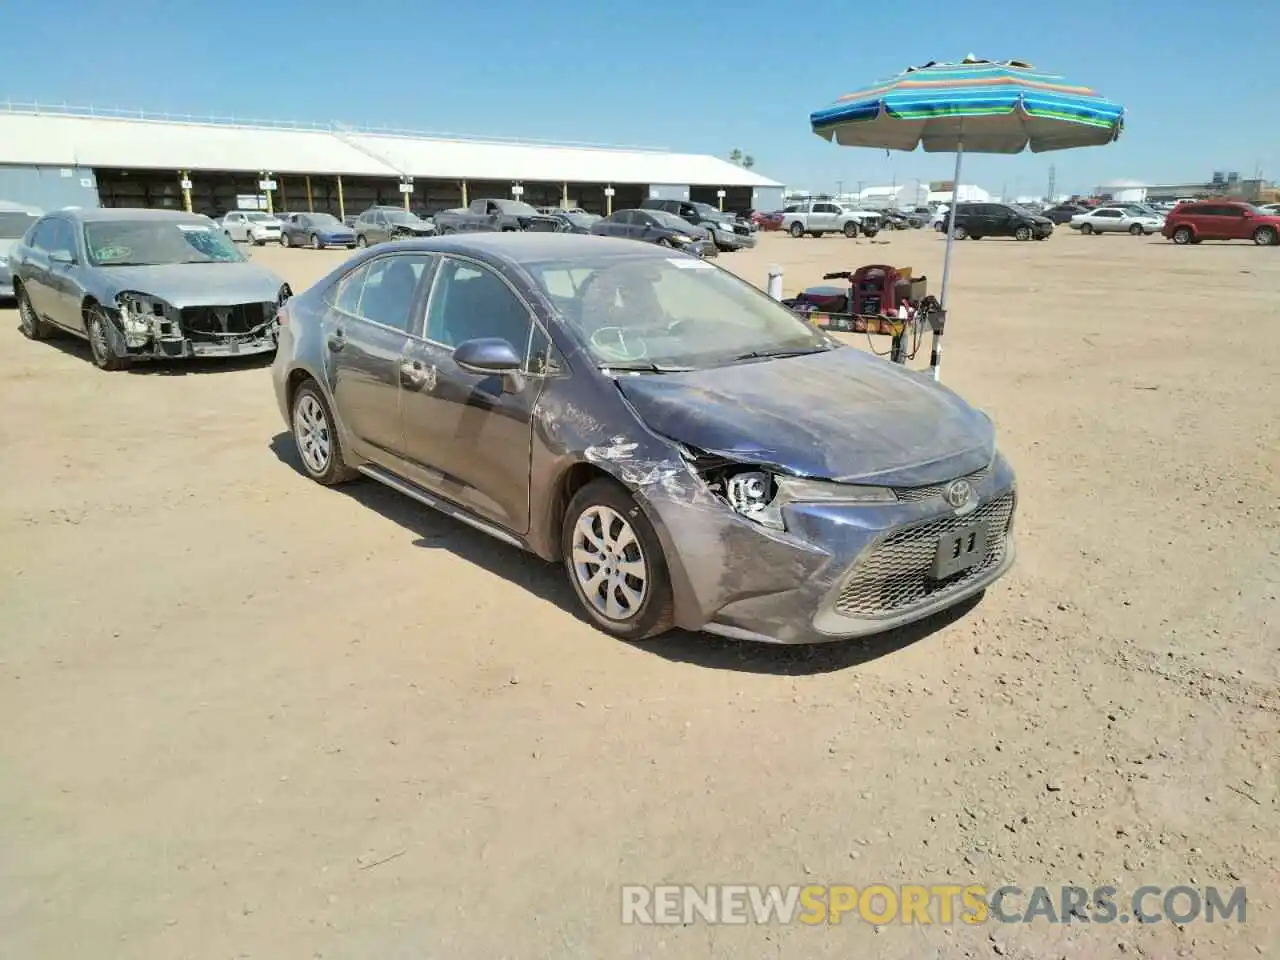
(151, 328)
(783, 559)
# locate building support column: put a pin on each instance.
(608, 200)
(342, 206)
(564, 195)
(465, 202)
(311, 207)
(185, 183)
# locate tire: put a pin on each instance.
(1086, 228)
(361, 240)
(596, 525)
(1136, 230)
(975, 236)
(1022, 233)
(664, 242)
(796, 230)
(315, 242)
(316, 438)
(284, 240)
(1265, 236)
(960, 233)
(1183, 236)
(851, 230)
(98, 327)
(29, 322)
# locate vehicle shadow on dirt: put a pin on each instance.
(547, 581)
(177, 367)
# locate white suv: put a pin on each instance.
(251, 226)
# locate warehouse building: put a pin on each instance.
(53, 159)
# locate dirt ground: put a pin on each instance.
(248, 716)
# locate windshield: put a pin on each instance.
(144, 243)
(516, 206)
(671, 221)
(258, 217)
(707, 211)
(401, 216)
(14, 225)
(1018, 208)
(641, 310)
(581, 219)
(324, 220)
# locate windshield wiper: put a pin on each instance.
(645, 366)
(780, 352)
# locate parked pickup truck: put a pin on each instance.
(497, 216)
(817, 217)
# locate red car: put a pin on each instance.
(768, 221)
(1221, 220)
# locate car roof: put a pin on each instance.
(531, 247)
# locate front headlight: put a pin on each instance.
(681, 238)
(760, 496)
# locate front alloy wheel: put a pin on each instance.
(316, 439)
(615, 563)
(100, 329)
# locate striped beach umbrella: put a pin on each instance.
(974, 106)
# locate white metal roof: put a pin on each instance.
(479, 160)
(39, 139)
(151, 144)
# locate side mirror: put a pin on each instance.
(487, 356)
(62, 257)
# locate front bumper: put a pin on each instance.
(265, 235)
(839, 571)
(731, 240)
(6, 282)
(338, 239)
(178, 348)
(1042, 230)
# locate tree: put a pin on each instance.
(748, 161)
(735, 155)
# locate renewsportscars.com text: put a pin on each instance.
(941, 903)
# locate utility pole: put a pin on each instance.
(1053, 182)
(839, 189)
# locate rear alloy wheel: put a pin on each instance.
(284, 240)
(1136, 230)
(101, 329)
(1183, 235)
(316, 439)
(1086, 228)
(1022, 233)
(361, 240)
(960, 232)
(1265, 236)
(796, 230)
(315, 242)
(615, 563)
(851, 230)
(33, 328)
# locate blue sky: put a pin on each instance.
(696, 75)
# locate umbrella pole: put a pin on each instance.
(935, 360)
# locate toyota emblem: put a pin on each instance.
(959, 493)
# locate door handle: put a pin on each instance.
(337, 341)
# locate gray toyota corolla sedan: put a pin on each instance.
(142, 285)
(693, 453)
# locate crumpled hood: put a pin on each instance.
(197, 284)
(840, 415)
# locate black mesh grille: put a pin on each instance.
(894, 575)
